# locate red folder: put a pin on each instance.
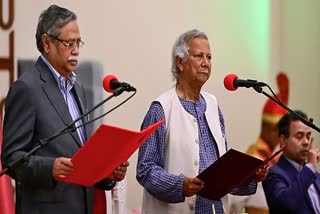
(231, 170)
(104, 151)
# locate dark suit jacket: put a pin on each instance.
(286, 189)
(36, 109)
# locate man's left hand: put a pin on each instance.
(261, 173)
(120, 172)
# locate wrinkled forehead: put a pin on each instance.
(199, 44)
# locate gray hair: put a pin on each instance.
(181, 48)
(51, 21)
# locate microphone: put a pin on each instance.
(111, 83)
(232, 82)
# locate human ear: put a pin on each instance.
(179, 63)
(283, 141)
(45, 43)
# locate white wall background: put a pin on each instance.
(133, 40)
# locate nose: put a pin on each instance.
(75, 50)
(306, 141)
(205, 61)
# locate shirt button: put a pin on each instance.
(195, 163)
(197, 141)
(195, 120)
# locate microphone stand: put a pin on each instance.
(68, 128)
(278, 101)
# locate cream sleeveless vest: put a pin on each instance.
(182, 148)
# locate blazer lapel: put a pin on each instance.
(79, 95)
(54, 95)
(292, 173)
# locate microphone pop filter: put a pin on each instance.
(229, 82)
(106, 82)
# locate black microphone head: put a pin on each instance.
(114, 84)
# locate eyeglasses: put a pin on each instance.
(71, 44)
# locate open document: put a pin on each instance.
(104, 151)
(231, 170)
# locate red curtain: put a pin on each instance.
(6, 189)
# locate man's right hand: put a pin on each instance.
(62, 167)
(191, 186)
(313, 154)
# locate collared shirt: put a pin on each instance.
(166, 186)
(313, 193)
(65, 86)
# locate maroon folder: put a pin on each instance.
(104, 151)
(231, 170)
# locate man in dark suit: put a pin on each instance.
(293, 184)
(39, 104)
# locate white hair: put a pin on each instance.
(181, 48)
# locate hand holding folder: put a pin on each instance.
(105, 150)
(231, 170)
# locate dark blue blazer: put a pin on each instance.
(286, 189)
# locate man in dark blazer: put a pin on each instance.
(40, 103)
(293, 184)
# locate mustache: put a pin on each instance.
(73, 57)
